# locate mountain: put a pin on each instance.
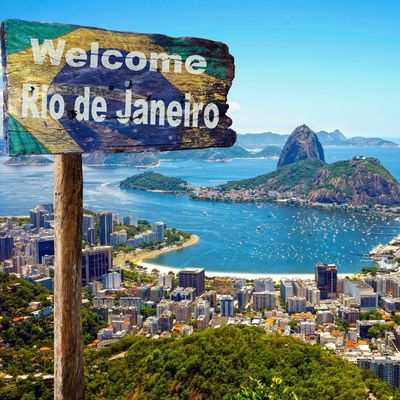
(302, 144)
(28, 160)
(210, 154)
(153, 181)
(129, 159)
(260, 140)
(360, 141)
(269, 152)
(360, 181)
(335, 138)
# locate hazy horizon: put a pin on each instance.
(331, 65)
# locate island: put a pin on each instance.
(155, 182)
(27, 160)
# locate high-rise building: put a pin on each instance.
(295, 304)
(264, 285)
(128, 302)
(226, 303)
(386, 367)
(263, 300)
(166, 281)
(96, 262)
(286, 289)
(44, 246)
(6, 247)
(244, 297)
(39, 215)
(105, 227)
(91, 236)
(87, 223)
(326, 279)
(202, 308)
(112, 280)
(159, 228)
(150, 326)
(182, 310)
(118, 238)
(164, 305)
(130, 221)
(362, 293)
(194, 278)
(165, 321)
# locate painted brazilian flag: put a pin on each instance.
(73, 89)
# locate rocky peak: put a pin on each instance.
(302, 144)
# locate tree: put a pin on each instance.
(257, 390)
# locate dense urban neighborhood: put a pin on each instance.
(357, 317)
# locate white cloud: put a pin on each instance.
(234, 107)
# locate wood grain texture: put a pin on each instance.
(28, 135)
(68, 359)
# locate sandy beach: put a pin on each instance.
(143, 258)
(120, 259)
(218, 274)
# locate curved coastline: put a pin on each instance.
(120, 259)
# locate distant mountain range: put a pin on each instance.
(302, 172)
(28, 160)
(335, 138)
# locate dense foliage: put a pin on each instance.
(224, 363)
(283, 179)
(29, 338)
(154, 181)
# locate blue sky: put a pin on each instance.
(329, 64)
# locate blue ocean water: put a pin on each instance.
(265, 238)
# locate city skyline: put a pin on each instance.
(329, 65)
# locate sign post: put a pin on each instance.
(68, 359)
(70, 90)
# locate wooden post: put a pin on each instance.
(68, 358)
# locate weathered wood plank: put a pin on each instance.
(68, 359)
(188, 77)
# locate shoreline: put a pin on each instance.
(163, 269)
(120, 259)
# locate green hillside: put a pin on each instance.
(215, 363)
(359, 181)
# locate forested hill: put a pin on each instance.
(215, 363)
(359, 181)
(153, 181)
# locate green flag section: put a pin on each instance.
(19, 33)
(21, 141)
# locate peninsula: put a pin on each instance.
(304, 177)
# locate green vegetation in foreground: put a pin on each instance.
(155, 181)
(224, 363)
(31, 339)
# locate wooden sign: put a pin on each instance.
(72, 89)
